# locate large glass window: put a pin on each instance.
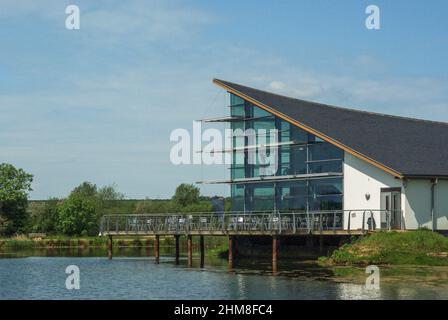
(325, 194)
(263, 196)
(299, 153)
(237, 197)
(324, 151)
(236, 106)
(292, 196)
(325, 166)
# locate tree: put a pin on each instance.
(186, 194)
(44, 215)
(110, 192)
(85, 190)
(77, 216)
(14, 187)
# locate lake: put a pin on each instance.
(139, 277)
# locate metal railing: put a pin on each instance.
(243, 222)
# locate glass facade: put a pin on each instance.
(296, 151)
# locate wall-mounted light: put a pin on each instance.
(367, 195)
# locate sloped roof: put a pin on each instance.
(401, 146)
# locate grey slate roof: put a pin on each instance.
(411, 147)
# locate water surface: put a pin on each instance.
(141, 278)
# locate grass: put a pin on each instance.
(421, 247)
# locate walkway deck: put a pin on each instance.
(249, 224)
(322, 223)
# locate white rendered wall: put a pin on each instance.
(418, 204)
(441, 205)
(361, 178)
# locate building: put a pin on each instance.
(333, 159)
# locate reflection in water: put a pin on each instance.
(274, 268)
(350, 291)
(140, 278)
(241, 286)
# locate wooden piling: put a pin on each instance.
(275, 243)
(176, 237)
(202, 250)
(309, 241)
(109, 247)
(274, 268)
(156, 248)
(190, 250)
(231, 247)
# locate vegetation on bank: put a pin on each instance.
(420, 247)
(215, 245)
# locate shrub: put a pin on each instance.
(77, 217)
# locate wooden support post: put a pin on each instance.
(156, 248)
(109, 247)
(231, 247)
(274, 248)
(275, 245)
(309, 241)
(190, 250)
(202, 250)
(321, 244)
(176, 237)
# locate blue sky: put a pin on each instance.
(98, 104)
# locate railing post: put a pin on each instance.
(279, 224)
(126, 225)
(390, 220)
(334, 221)
(349, 220)
(294, 223)
(320, 222)
(371, 220)
(308, 222)
(363, 221)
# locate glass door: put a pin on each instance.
(391, 209)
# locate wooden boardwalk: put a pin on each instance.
(231, 225)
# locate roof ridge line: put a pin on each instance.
(342, 108)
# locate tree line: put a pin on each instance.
(79, 213)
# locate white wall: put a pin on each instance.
(361, 178)
(441, 205)
(418, 204)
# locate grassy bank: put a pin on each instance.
(215, 245)
(420, 247)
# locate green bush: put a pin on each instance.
(186, 194)
(77, 217)
(412, 247)
(14, 187)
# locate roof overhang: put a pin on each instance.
(309, 129)
(426, 177)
